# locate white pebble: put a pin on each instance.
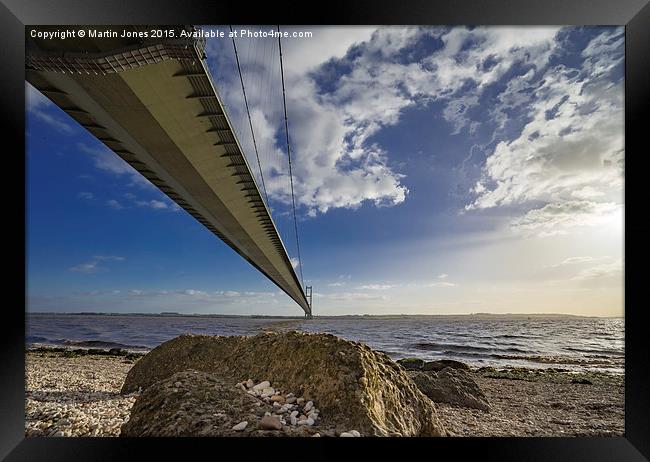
(346, 435)
(250, 383)
(240, 426)
(309, 405)
(355, 433)
(308, 421)
(294, 420)
(315, 435)
(294, 413)
(262, 385)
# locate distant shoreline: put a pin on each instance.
(493, 316)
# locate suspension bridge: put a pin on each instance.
(153, 102)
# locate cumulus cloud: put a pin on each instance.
(339, 99)
(566, 165)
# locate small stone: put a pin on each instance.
(315, 435)
(276, 404)
(262, 385)
(267, 414)
(290, 395)
(240, 426)
(355, 433)
(277, 399)
(294, 420)
(309, 405)
(300, 400)
(291, 399)
(177, 384)
(346, 435)
(302, 417)
(270, 423)
(268, 391)
(250, 383)
(294, 413)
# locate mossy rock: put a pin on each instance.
(352, 385)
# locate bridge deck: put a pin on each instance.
(154, 104)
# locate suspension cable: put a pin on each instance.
(286, 126)
(250, 122)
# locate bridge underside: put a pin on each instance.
(154, 104)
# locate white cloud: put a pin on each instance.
(376, 287)
(106, 160)
(558, 218)
(86, 268)
(45, 110)
(92, 266)
(350, 296)
(603, 271)
(335, 163)
(86, 195)
(577, 261)
(442, 284)
(109, 258)
(112, 203)
(566, 166)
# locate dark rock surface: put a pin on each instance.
(411, 364)
(453, 386)
(353, 386)
(442, 363)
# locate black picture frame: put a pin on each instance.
(633, 14)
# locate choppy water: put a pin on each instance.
(568, 343)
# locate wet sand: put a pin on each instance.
(68, 395)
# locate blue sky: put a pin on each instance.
(437, 170)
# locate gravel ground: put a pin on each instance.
(544, 406)
(76, 396)
(79, 396)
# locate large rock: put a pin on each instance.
(353, 386)
(454, 386)
(193, 403)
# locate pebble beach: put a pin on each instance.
(79, 395)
